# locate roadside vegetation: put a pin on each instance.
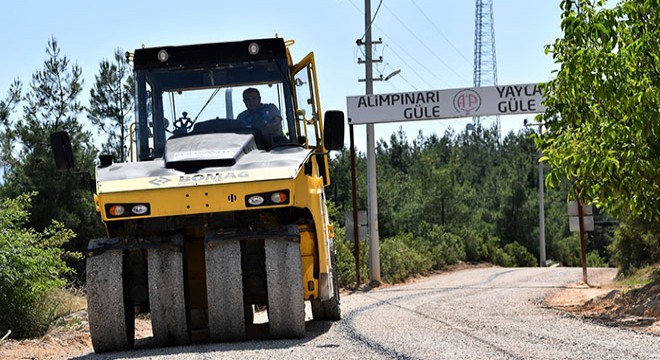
(462, 196)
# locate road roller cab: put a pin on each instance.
(222, 208)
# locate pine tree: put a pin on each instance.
(111, 104)
(51, 104)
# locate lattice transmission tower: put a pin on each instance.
(485, 63)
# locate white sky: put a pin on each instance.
(431, 41)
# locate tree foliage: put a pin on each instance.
(604, 104)
(111, 104)
(8, 105)
(458, 197)
(31, 266)
(51, 104)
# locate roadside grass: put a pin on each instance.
(66, 303)
(638, 278)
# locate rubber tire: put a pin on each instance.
(286, 295)
(169, 320)
(111, 318)
(224, 289)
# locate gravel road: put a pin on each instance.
(482, 313)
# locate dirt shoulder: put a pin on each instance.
(612, 304)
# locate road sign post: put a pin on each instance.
(581, 219)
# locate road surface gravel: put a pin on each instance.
(476, 313)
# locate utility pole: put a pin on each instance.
(374, 242)
(541, 201)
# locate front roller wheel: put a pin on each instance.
(286, 296)
(167, 295)
(224, 287)
(111, 317)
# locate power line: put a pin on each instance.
(372, 19)
(413, 69)
(440, 31)
(426, 46)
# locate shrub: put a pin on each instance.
(346, 260)
(479, 246)
(501, 258)
(567, 250)
(519, 254)
(595, 260)
(636, 244)
(31, 268)
(400, 258)
(447, 248)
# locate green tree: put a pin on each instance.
(603, 134)
(636, 244)
(8, 105)
(111, 104)
(31, 267)
(513, 184)
(51, 104)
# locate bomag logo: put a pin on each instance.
(210, 178)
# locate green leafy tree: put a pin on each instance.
(603, 106)
(31, 267)
(51, 104)
(111, 104)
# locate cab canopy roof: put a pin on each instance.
(202, 55)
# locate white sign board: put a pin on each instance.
(587, 209)
(362, 222)
(574, 217)
(445, 104)
(574, 223)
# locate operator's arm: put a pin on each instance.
(274, 123)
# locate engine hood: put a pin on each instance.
(206, 150)
(204, 159)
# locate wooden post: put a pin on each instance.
(583, 247)
(356, 226)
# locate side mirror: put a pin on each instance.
(333, 130)
(60, 143)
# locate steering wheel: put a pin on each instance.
(183, 122)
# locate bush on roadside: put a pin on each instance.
(446, 248)
(32, 266)
(520, 255)
(566, 250)
(501, 258)
(346, 259)
(636, 244)
(595, 260)
(401, 258)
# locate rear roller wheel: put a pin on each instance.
(224, 287)
(329, 309)
(167, 296)
(111, 318)
(286, 297)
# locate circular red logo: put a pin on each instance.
(467, 101)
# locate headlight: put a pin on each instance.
(255, 200)
(140, 209)
(163, 56)
(254, 48)
(279, 197)
(127, 210)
